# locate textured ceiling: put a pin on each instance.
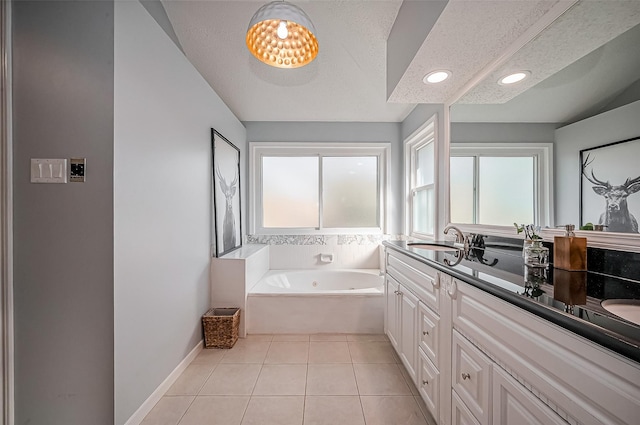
(465, 39)
(584, 28)
(582, 89)
(347, 81)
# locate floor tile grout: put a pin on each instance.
(351, 345)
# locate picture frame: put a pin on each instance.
(227, 211)
(609, 182)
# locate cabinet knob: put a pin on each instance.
(465, 376)
(425, 333)
(425, 382)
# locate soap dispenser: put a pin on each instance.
(570, 251)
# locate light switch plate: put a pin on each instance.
(48, 170)
(77, 169)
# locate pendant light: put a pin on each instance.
(280, 34)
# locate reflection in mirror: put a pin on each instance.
(582, 92)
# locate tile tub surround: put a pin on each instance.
(294, 379)
(304, 251)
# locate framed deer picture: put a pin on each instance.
(609, 182)
(226, 194)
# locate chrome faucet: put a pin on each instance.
(461, 241)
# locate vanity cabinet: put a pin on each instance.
(482, 360)
(578, 380)
(412, 322)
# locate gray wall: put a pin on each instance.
(341, 132)
(612, 126)
(629, 95)
(502, 133)
(164, 111)
(63, 233)
(157, 11)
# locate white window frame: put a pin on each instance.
(543, 171)
(424, 135)
(257, 150)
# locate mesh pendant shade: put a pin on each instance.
(280, 34)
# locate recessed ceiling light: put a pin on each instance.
(436, 76)
(513, 78)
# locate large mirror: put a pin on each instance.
(515, 149)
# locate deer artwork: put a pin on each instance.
(229, 222)
(616, 217)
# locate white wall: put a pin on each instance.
(164, 111)
(611, 126)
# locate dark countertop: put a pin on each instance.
(568, 299)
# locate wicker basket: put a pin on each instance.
(220, 327)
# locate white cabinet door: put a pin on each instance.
(408, 331)
(514, 404)
(392, 311)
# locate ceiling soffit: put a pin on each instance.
(582, 29)
(468, 36)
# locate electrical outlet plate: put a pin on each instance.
(77, 170)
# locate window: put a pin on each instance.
(500, 184)
(318, 188)
(421, 191)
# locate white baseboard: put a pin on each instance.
(155, 396)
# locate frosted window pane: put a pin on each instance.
(461, 192)
(290, 187)
(350, 191)
(424, 165)
(424, 211)
(506, 190)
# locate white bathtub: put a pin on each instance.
(317, 301)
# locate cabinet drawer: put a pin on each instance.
(418, 277)
(429, 384)
(460, 415)
(471, 377)
(428, 328)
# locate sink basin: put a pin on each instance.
(627, 309)
(432, 246)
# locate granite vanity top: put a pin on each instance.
(568, 299)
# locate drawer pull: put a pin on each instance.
(425, 333)
(465, 376)
(425, 382)
(396, 292)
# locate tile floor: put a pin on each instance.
(294, 380)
